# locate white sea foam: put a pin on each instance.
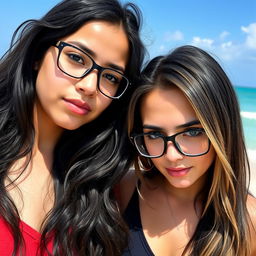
(249, 115)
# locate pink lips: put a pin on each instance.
(78, 106)
(177, 172)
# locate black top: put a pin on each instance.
(138, 245)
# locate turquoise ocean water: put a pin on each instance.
(247, 101)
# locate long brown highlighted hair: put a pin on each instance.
(223, 228)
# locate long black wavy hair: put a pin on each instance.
(88, 161)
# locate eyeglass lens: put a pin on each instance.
(154, 145)
(76, 63)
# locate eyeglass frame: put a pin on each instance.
(61, 44)
(166, 139)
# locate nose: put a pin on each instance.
(88, 84)
(172, 153)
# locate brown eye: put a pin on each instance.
(76, 58)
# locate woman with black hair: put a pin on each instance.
(64, 85)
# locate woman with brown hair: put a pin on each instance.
(192, 196)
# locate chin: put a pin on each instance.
(182, 184)
(69, 125)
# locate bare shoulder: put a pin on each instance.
(251, 206)
(127, 187)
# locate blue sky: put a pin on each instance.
(227, 29)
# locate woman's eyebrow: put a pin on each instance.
(83, 47)
(190, 123)
(154, 127)
(93, 54)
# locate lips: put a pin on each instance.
(77, 106)
(178, 172)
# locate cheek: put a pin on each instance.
(49, 76)
(42, 83)
(44, 76)
(49, 84)
(157, 162)
(210, 157)
(44, 89)
(206, 160)
(103, 102)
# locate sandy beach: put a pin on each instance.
(252, 157)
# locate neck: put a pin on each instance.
(47, 133)
(183, 195)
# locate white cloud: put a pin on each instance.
(251, 35)
(229, 51)
(226, 45)
(175, 36)
(202, 42)
(224, 34)
(162, 48)
(226, 50)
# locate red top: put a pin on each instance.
(31, 239)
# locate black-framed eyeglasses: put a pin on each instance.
(76, 63)
(192, 142)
